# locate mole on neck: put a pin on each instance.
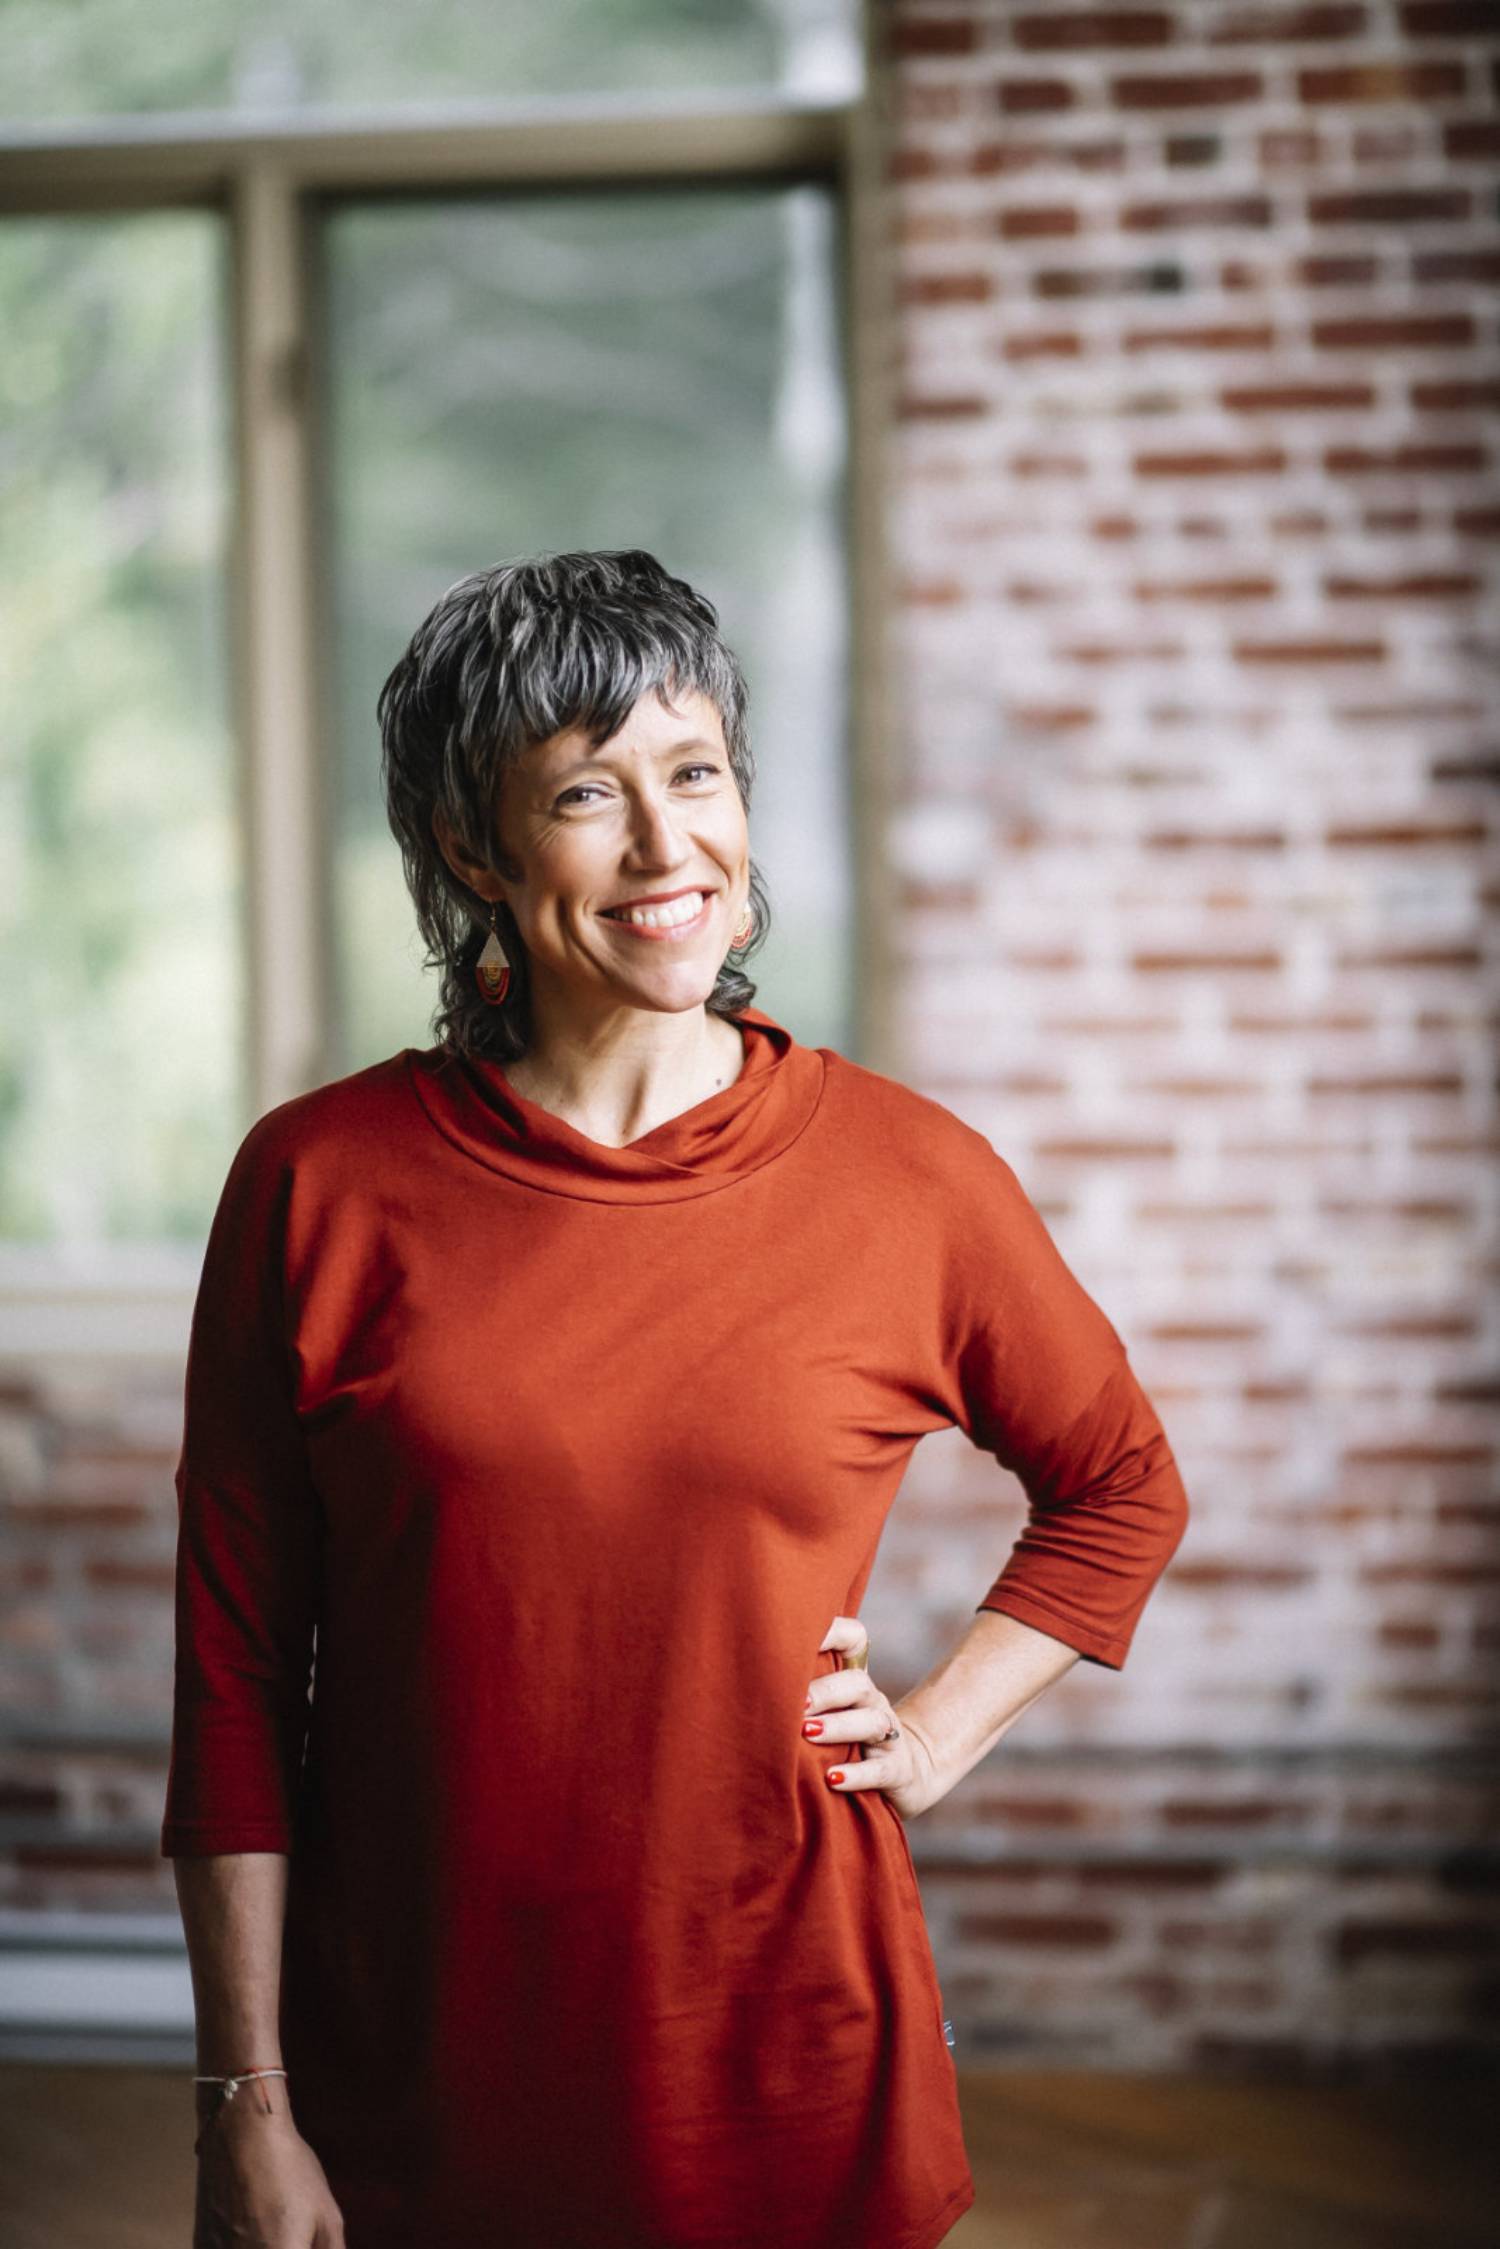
(634, 1112)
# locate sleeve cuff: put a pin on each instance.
(1084, 1639)
(213, 1838)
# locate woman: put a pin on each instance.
(549, 1386)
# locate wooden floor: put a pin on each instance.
(94, 2158)
(1073, 2161)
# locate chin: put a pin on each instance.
(672, 994)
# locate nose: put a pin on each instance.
(657, 840)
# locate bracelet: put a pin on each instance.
(231, 2086)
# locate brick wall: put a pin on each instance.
(1194, 528)
(87, 1536)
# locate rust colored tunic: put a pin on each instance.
(521, 1479)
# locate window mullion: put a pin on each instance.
(283, 802)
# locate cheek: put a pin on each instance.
(560, 882)
(729, 834)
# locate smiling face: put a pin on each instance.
(655, 809)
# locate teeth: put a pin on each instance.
(661, 917)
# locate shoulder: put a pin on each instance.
(317, 1162)
(948, 1181)
(349, 1121)
(918, 1135)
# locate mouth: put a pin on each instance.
(679, 918)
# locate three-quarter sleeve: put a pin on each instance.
(1043, 1381)
(248, 1558)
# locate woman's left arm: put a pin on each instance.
(1036, 1374)
(955, 1716)
(1106, 1511)
(948, 1723)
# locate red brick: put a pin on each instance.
(1406, 460)
(1030, 97)
(1218, 590)
(1273, 25)
(1172, 214)
(1440, 267)
(947, 289)
(1265, 460)
(1458, 396)
(912, 163)
(1297, 398)
(1068, 1931)
(912, 37)
(1389, 206)
(935, 406)
(1054, 344)
(1203, 336)
(1396, 80)
(1446, 331)
(1187, 89)
(1040, 223)
(1240, 1577)
(1355, 1941)
(1092, 30)
(1345, 271)
(1414, 585)
(1471, 139)
(1449, 19)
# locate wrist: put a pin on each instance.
(259, 2096)
(933, 1782)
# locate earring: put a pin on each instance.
(745, 932)
(492, 969)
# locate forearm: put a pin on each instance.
(976, 1693)
(233, 1909)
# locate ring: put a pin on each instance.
(861, 1662)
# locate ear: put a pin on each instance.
(467, 870)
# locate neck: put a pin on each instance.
(618, 1079)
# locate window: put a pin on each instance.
(122, 992)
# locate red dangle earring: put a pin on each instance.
(744, 933)
(492, 969)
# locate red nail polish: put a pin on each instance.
(836, 1776)
(808, 1704)
(812, 1725)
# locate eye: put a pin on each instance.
(589, 788)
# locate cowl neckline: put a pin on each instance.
(724, 1137)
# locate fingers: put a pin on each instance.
(846, 1706)
(862, 1712)
(848, 1637)
(868, 1720)
(883, 1764)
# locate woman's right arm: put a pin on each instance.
(258, 2180)
(248, 1598)
(233, 1907)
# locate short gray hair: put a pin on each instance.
(506, 658)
